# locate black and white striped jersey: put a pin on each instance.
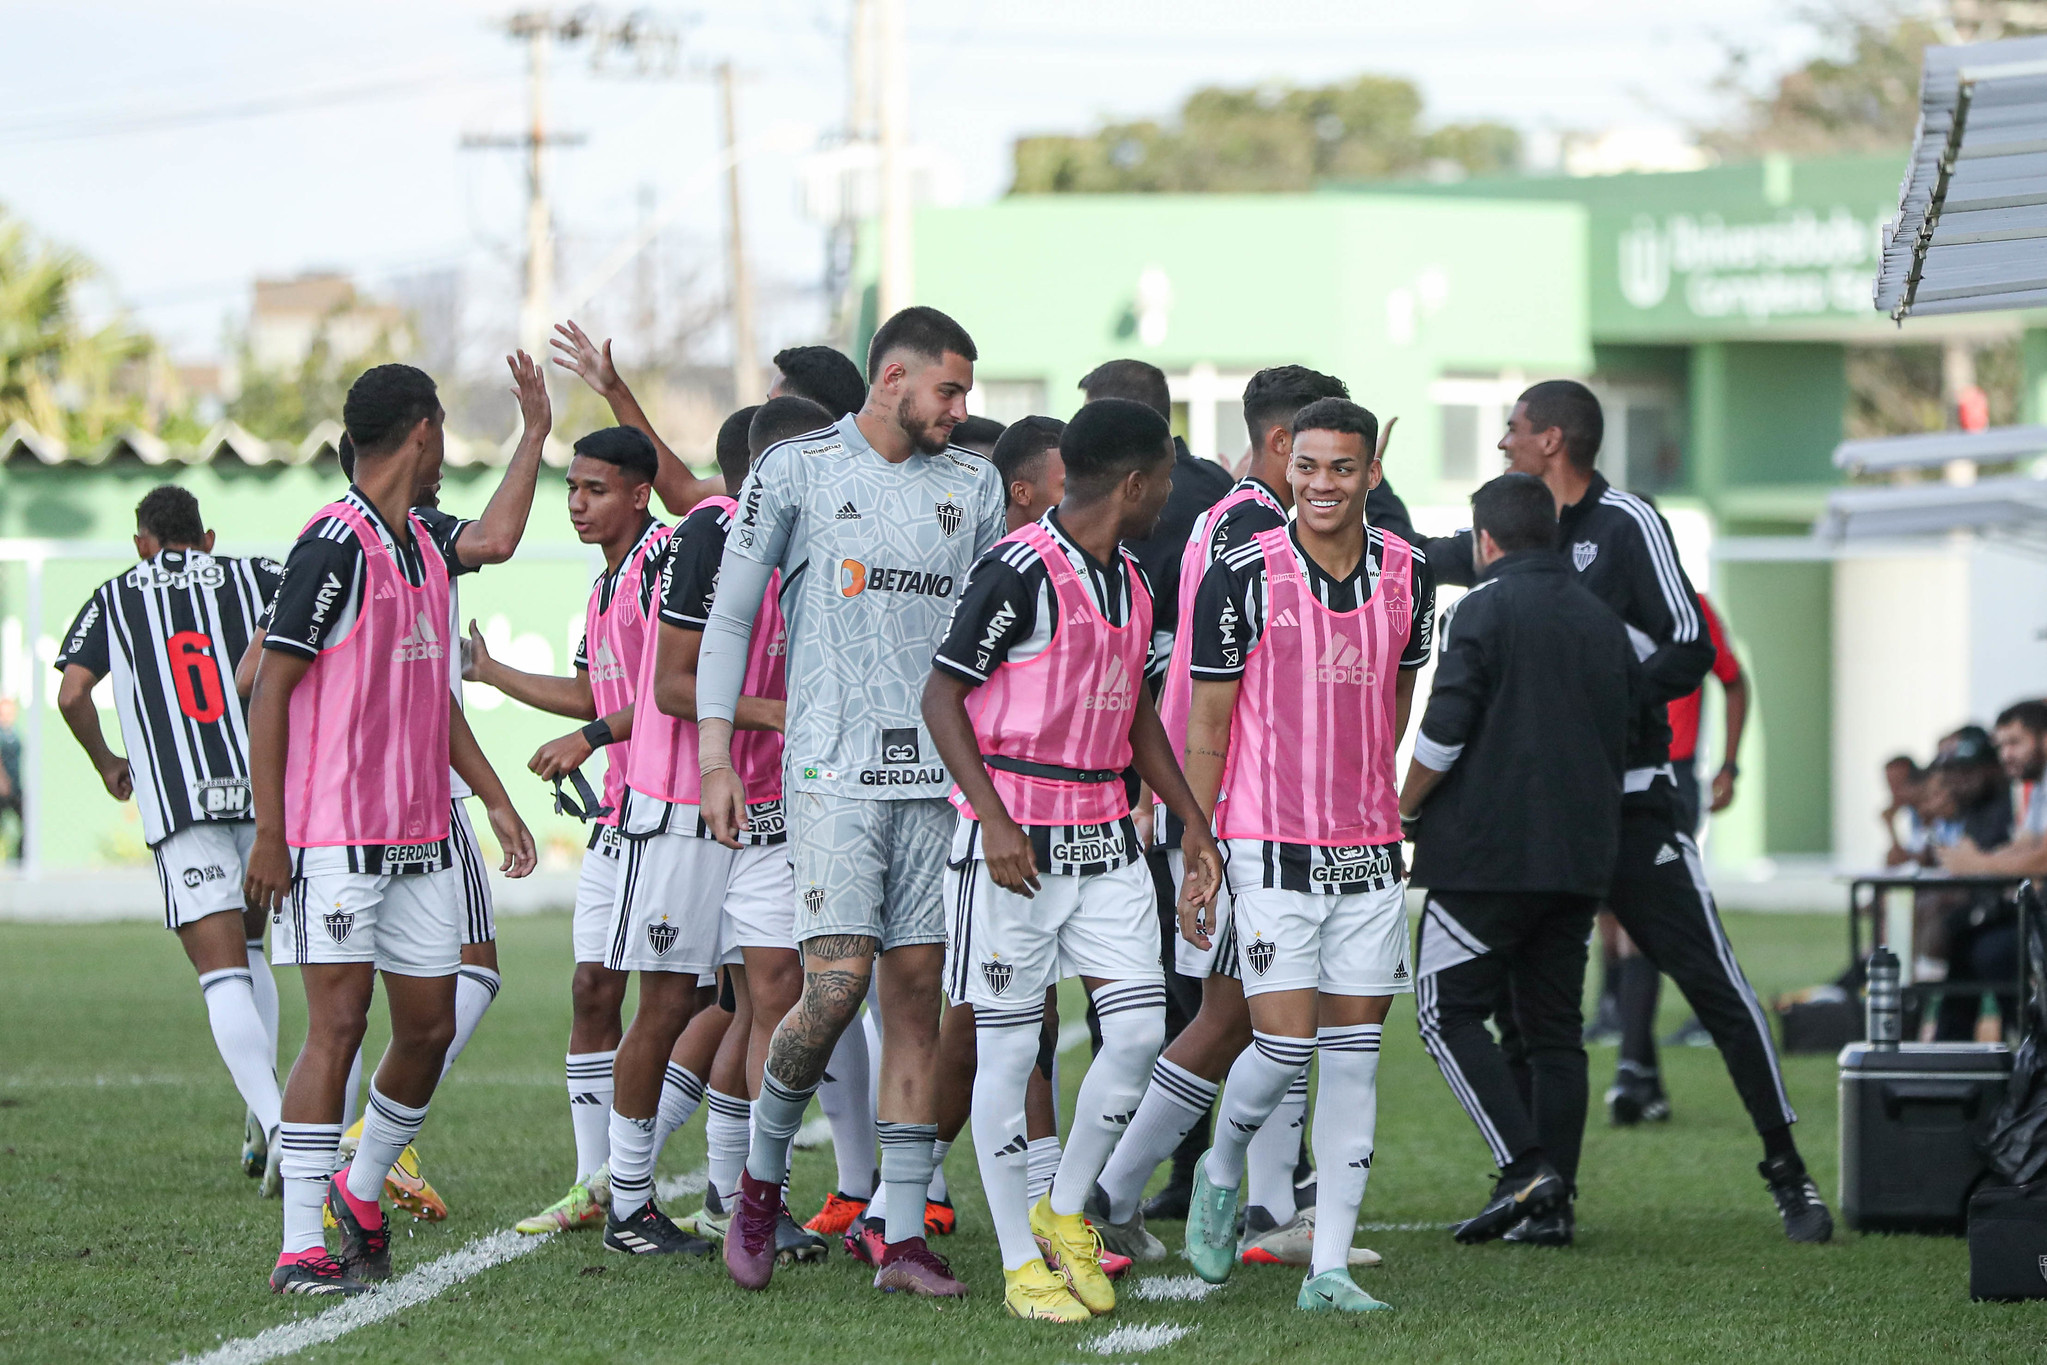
(169, 631)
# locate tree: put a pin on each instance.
(1264, 139)
(55, 374)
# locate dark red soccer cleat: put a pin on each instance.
(750, 1239)
(910, 1267)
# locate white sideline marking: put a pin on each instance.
(1174, 1289)
(675, 1186)
(1405, 1227)
(407, 1291)
(1137, 1339)
(814, 1134)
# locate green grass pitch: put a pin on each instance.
(127, 1231)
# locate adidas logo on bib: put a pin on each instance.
(385, 592)
(1342, 663)
(605, 667)
(1285, 618)
(1114, 692)
(421, 642)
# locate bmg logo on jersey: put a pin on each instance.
(900, 746)
(421, 642)
(856, 578)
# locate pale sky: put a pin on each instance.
(344, 149)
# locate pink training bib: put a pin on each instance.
(368, 762)
(616, 638)
(1069, 707)
(1312, 736)
(1176, 691)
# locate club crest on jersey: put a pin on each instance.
(1259, 953)
(949, 515)
(1582, 554)
(340, 924)
(661, 936)
(998, 974)
(813, 900)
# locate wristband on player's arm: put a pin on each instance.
(597, 733)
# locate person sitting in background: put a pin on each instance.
(1972, 810)
(2021, 740)
(1907, 783)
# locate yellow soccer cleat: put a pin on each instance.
(1038, 1291)
(1073, 1247)
(407, 1188)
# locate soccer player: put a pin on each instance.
(1620, 548)
(874, 526)
(1514, 799)
(1037, 705)
(822, 374)
(169, 630)
(352, 732)
(610, 482)
(682, 896)
(979, 435)
(1033, 473)
(1305, 647)
(1190, 1071)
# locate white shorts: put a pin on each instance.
(671, 890)
(478, 923)
(596, 894)
(201, 868)
(409, 924)
(1002, 949)
(1219, 958)
(1339, 945)
(760, 903)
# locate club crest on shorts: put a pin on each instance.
(1582, 555)
(997, 973)
(661, 936)
(340, 924)
(1259, 953)
(949, 514)
(813, 900)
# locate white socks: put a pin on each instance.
(307, 1157)
(590, 1092)
(248, 1049)
(1006, 1048)
(266, 994)
(845, 1098)
(728, 1130)
(388, 1127)
(682, 1090)
(1258, 1081)
(475, 988)
(938, 1192)
(1133, 1022)
(1172, 1105)
(632, 1164)
(1345, 1120)
(1043, 1160)
(1274, 1152)
(777, 1114)
(351, 1098)
(905, 1170)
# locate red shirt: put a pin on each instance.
(1684, 712)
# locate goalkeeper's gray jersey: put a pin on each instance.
(873, 557)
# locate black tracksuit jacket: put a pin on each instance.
(1620, 547)
(1534, 692)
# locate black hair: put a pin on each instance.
(344, 450)
(825, 376)
(2031, 714)
(734, 459)
(1138, 380)
(1519, 511)
(1571, 408)
(384, 404)
(171, 514)
(921, 331)
(1342, 415)
(1105, 441)
(976, 433)
(1273, 397)
(629, 448)
(1023, 442)
(782, 419)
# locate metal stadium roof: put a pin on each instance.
(1971, 232)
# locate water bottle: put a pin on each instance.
(1885, 1005)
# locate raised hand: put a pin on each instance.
(529, 385)
(576, 353)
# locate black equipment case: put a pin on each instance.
(1911, 1119)
(2008, 1242)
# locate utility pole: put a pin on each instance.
(746, 383)
(898, 289)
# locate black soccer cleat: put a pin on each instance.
(365, 1252)
(1171, 1202)
(649, 1232)
(1514, 1199)
(795, 1244)
(316, 1275)
(1558, 1228)
(1632, 1100)
(1798, 1200)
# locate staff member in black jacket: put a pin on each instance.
(1620, 548)
(1518, 768)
